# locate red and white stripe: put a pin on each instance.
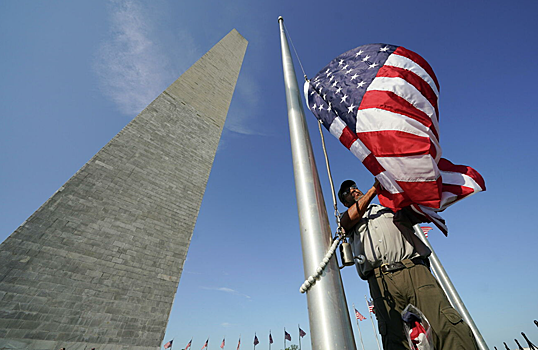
(397, 122)
(426, 229)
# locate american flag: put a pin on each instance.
(239, 343)
(223, 342)
(381, 102)
(371, 306)
(287, 336)
(301, 332)
(426, 229)
(270, 338)
(206, 343)
(359, 316)
(188, 345)
(169, 344)
(256, 341)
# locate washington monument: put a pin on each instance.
(87, 268)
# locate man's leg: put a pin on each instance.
(450, 332)
(388, 307)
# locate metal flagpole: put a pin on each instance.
(330, 326)
(448, 287)
(373, 326)
(359, 328)
(299, 329)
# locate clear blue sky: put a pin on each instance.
(72, 74)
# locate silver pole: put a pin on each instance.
(449, 289)
(372, 319)
(330, 326)
(359, 328)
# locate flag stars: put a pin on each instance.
(384, 49)
(361, 84)
(349, 71)
(341, 62)
(345, 67)
(338, 90)
(359, 53)
(334, 84)
(320, 107)
(314, 106)
(344, 98)
(366, 58)
(350, 108)
(355, 76)
(373, 65)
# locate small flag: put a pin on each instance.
(239, 343)
(287, 336)
(188, 345)
(256, 341)
(301, 332)
(222, 345)
(169, 344)
(206, 343)
(270, 338)
(371, 306)
(426, 229)
(359, 316)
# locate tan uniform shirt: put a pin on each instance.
(384, 238)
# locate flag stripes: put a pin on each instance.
(381, 102)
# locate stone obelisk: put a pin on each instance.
(98, 264)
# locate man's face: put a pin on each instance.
(352, 195)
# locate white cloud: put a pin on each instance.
(227, 290)
(132, 64)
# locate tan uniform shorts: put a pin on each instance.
(393, 291)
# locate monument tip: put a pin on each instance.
(280, 18)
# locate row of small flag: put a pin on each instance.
(302, 333)
(287, 336)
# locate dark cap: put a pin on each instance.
(344, 187)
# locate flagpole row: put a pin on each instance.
(450, 290)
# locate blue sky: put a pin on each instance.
(74, 73)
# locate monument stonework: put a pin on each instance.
(99, 263)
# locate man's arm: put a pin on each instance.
(354, 214)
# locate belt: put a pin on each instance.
(386, 268)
